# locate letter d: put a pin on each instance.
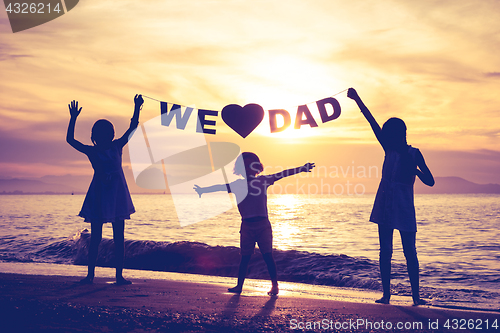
(273, 123)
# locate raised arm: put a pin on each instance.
(423, 171)
(134, 122)
(210, 189)
(290, 172)
(74, 111)
(352, 94)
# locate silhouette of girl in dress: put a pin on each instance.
(108, 198)
(394, 207)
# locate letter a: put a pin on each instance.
(304, 110)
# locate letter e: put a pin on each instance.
(200, 126)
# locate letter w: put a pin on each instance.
(180, 119)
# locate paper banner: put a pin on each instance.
(244, 120)
(178, 158)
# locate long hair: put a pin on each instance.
(103, 131)
(248, 164)
(394, 134)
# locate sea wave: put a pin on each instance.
(200, 258)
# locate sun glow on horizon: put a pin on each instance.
(286, 80)
(284, 228)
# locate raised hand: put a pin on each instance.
(352, 93)
(73, 109)
(138, 100)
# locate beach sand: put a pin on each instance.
(173, 302)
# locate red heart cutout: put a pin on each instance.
(28, 14)
(243, 120)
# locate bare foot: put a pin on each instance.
(236, 290)
(419, 301)
(383, 300)
(274, 291)
(122, 282)
(87, 280)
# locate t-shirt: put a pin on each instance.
(251, 194)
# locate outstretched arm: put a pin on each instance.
(134, 122)
(210, 189)
(74, 111)
(423, 171)
(290, 172)
(352, 93)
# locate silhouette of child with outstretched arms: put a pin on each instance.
(251, 195)
(108, 198)
(394, 206)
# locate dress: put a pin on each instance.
(394, 204)
(108, 198)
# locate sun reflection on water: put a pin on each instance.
(285, 218)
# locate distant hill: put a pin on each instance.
(60, 184)
(78, 183)
(16, 185)
(455, 185)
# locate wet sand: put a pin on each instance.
(45, 303)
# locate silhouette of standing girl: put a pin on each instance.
(251, 195)
(108, 198)
(394, 206)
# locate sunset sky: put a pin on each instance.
(435, 64)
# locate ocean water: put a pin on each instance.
(319, 239)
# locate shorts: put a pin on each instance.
(256, 231)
